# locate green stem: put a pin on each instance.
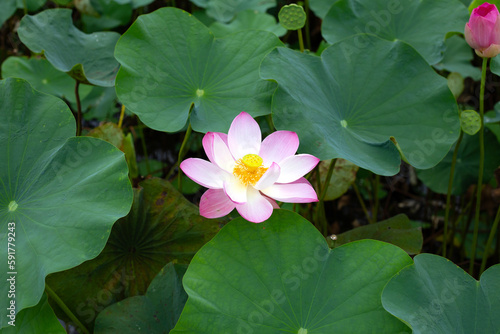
(481, 167)
(140, 125)
(301, 40)
(181, 155)
(51, 293)
(464, 212)
(376, 184)
(308, 30)
(25, 7)
(448, 196)
(490, 241)
(320, 208)
(324, 188)
(79, 110)
(361, 202)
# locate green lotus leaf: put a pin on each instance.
(467, 166)
(43, 77)
(225, 10)
(36, 319)
(422, 24)
(161, 227)
(113, 134)
(435, 296)
(320, 99)
(280, 276)
(59, 194)
(86, 57)
(321, 7)
(457, 58)
(248, 20)
(171, 61)
(112, 14)
(397, 230)
(8, 8)
(156, 312)
(99, 104)
(31, 5)
(292, 17)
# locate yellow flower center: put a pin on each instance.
(249, 169)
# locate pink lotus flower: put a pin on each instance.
(247, 174)
(482, 32)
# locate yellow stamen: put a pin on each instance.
(249, 169)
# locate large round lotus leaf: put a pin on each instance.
(170, 61)
(248, 20)
(457, 58)
(86, 57)
(422, 24)
(467, 165)
(156, 312)
(36, 319)
(43, 77)
(161, 227)
(280, 276)
(225, 10)
(435, 296)
(62, 194)
(349, 104)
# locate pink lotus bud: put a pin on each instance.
(482, 32)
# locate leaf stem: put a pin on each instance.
(122, 114)
(490, 241)
(361, 202)
(376, 184)
(140, 125)
(481, 167)
(308, 30)
(181, 155)
(51, 293)
(448, 195)
(324, 188)
(301, 40)
(79, 110)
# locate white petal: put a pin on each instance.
(235, 190)
(269, 177)
(204, 173)
(257, 208)
(299, 191)
(296, 166)
(244, 136)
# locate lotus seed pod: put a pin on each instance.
(292, 17)
(470, 121)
